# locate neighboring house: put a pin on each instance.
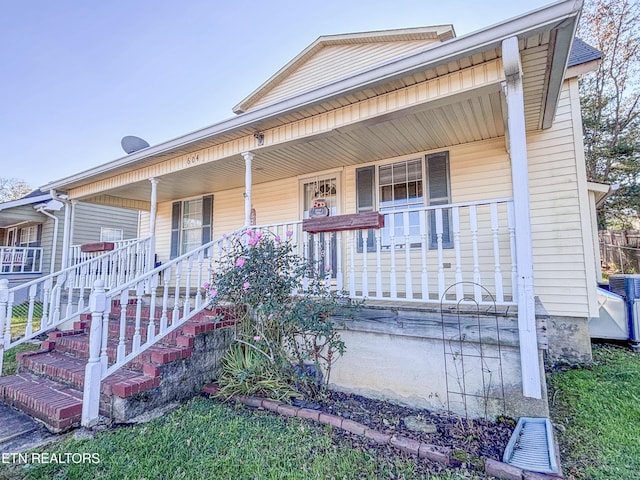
(32, 233)
(469, 147)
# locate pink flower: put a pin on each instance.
(277, 239)
(250, 233)
(245, 286)
(206, 285)
(240, 262)
(253, 241)
(259, 234)
(289, 233)
(257, 338)
(213, 292)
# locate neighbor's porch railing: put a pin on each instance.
(21, 259)
(32, 308)
(77, 255)
(419, 254)
(128, 260)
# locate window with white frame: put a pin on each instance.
(108, 234)
(28, 236)
(401, 190)
(191, 222)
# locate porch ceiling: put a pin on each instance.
(462, 119)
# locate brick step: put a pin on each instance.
(70, 371)
(156, 355)
(57, 405)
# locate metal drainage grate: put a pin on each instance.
(531, 446)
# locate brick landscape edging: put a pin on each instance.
(408, 445)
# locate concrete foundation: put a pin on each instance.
(399, 354)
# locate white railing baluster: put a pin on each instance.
(439, 231)
(473, 227)
(198, 297)
(378, 240)
(176, 296)
(392, 274)
(458, 253)
(122, 334)
(136, 333)
(352, 262)
(339, 279)
(328, 261)
(151, 328)
(365, 263)
(104, 355)
(32, 301)
(187, 288)
(165, 300)
(407, 256)
(8, 319)
(424, 245)
(495, 230)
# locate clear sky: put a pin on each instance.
(78, 75)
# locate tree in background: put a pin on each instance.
(12, 189)
(610, 106)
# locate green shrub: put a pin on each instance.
(286, 306)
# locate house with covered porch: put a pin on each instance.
(440, 179)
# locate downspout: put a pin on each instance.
(66, 237)
(54, 243)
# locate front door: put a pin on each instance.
(321, 248)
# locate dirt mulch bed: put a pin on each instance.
(471, 440)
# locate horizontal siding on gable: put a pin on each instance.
(337, 61)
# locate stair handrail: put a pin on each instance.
(52, 316)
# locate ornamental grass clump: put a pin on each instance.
(286, 342)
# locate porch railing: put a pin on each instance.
(78, 256)
(128, 260)
(32, 308)
(419, 254)
(21, 259)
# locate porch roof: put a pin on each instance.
(473, 113)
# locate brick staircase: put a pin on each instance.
(49, 382)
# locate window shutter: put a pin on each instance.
(439, 194)
(18, 237)
(176, 213)
(365, 201)
(207, 216)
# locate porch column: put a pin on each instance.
(517, 144)
(66, 236)
(248, 157)
(152, 223)
(72, 226)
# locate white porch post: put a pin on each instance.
(72, 223)
(248, 157)
(152, 223)
(517, 145)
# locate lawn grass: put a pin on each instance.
(9, 357)
(205, 439)
(19, 315)
(599, 409)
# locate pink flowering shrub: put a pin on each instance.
(287, 322)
